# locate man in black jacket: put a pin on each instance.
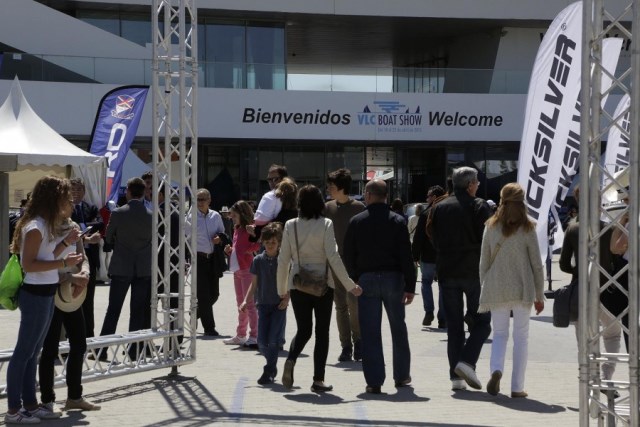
(425, 255)
(377, 255)
(457, 229)
(86, 215)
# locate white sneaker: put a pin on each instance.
(235, 341)
(251, 342)
(458, 385)
(47, 411)
(21, 417)
(467, 373)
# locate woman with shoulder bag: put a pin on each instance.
(309, 246)
(34, 238)
(512, 278)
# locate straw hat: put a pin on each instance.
(64, 297)
(225, 209)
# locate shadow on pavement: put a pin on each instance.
(525, 405)
(194, 406)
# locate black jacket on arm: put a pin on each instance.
(421, 247)
(378, 240)
(458, 225)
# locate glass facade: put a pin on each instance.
(232, 54)
(234, 171)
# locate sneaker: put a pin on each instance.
(493, 386)
(467, 373)
(516, 394)
(458, 385)
(21, 417)
(357, 351)
(82, 404)
(346, 354)
(235, 341)
(287, 375)
(428, 318)
(47, 411)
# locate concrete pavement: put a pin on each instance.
(221, 386)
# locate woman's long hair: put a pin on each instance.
(244, 211)
(46, 199)
(310, 202)
(287, 192)
(512, 212)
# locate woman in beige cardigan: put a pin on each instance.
(512, 280)
(315, 249)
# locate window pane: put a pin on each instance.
(137, 28)
(107, 21)
(265, 57)
(224, 56)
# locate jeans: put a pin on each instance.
(242, 282)
(459, 349)
(35, 316)
(428, 273)
(500, 321)
(140, 304)
(269, 327)
(384, 288)
(304, 307)
(208, 292)
(74, 327)
(346, 314)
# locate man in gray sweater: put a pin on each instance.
(340, 210)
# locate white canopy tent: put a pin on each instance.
(41, 150)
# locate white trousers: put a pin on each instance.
(500, 322)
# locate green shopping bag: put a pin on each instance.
(10, 282)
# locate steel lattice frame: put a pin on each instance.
(597, 407)
(175, 79)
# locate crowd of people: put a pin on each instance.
(292, 248)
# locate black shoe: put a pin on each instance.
(373, 389)
(404, 382)
(442, 325)
(345, 356)
(212, 333)
(265, 379)
(428, 318)
(287, 375)
(357, 351)
(320, 388)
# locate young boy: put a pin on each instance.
(272, 310)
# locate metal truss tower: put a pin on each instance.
(598, 405)
(175, 80)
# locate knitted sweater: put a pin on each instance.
(516, 275)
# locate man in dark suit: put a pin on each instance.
(86, 215)
(129, 231)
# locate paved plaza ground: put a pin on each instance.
(220, 387)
